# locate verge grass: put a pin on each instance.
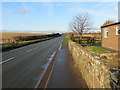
(19, 44)
(96, 49)
(65, 41)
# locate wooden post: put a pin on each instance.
(3, 41)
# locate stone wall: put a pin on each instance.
(94, 69)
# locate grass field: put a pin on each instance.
(9, 37)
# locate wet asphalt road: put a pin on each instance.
(23, 67)
(65, 74)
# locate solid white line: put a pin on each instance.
(7, 60)
(43, 74)
(47, 68)
(60, 46)
(52, 55)
(49, 76)
(52, 69)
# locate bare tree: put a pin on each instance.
(81, 23)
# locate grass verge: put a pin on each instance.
(65, 41)
(20, 44)
(97, 49)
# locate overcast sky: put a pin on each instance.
(52, 16)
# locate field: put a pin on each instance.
(26, 39)
(9, 37)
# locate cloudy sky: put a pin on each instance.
(52, 16)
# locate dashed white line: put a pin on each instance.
(29, 50)
(7, 60)
(32, 49)
(14, 57)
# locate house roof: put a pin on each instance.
(110, 24)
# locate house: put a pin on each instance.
(111, 36)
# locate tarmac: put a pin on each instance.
(65, 74)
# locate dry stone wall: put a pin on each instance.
(94, 69)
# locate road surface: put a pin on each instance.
(23, 67)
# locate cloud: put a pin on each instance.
(22, 11)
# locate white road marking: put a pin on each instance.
(53, 54)
(50, 59)
(60, 46)
(29, 50)
(32, 49)
(52, 68)
(44, 71)
(1, 62)
(7, 60)
(49, 75)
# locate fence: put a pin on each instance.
(86, 41)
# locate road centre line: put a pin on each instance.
(32, 49)
(29, 50)
(7, 60)
(4, 61)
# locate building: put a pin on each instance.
(111, 36)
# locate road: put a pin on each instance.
(23, 67)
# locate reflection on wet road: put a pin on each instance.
(64, 74)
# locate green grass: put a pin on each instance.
(65, 41)
(96, 49)
(84, 41)
(98, 41)
(19, 44)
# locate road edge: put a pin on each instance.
(43, 82)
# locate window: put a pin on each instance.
(117, 31)
(106, 33)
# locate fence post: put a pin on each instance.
(3, 41)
